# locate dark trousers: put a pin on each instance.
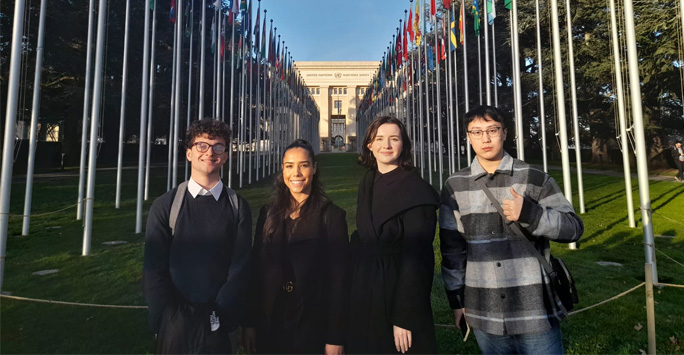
(680, 166)
(185, 329)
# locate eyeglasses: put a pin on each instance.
(492, 132)
(204, 146)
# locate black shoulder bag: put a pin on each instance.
(561, 281)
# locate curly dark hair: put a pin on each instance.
(283, 203)
(213, 128)
(367, 159)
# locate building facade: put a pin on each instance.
(337, 88)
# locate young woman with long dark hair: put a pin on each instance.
(297, 299)
(392, 254)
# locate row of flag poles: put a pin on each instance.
(411, 85)
(255, 88)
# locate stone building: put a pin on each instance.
(337, 88)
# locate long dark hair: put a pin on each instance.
(367, 158)
(283, 203)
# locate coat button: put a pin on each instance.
(503, 296)
(498, 264)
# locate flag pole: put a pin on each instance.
(488, 81)
(479, 50)
(86, 106)
(438, 98)
(454, 56)
(421, 128)
(203, 36)
(560, 101)
(150, 121)
(191, 18)
(517, 94)
(542, 115)
(450, 98)
(143, 121)
(427, 98)
(495, 76)
(621, 115)
(122, 117)
(233, 62)
(172, 106)
(35, 113)
(637, 115)
(575, 118)
(94, 127)
(177, 97)
(465, 75)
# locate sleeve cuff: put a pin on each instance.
(455, 298)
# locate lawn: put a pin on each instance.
(112, 274)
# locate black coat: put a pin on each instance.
(314, 312)
(392, 263)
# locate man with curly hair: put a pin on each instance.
(197, 246)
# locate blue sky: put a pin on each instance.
(326, 30)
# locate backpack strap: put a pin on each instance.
(234, 203)
(175, 207)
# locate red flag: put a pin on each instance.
(442, 53)
(433, 9)
(398, 50)
(172, 12)
(447, 4)
(410, 24)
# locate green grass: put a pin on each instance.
(112, 274)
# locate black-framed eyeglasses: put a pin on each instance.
(202, 147)
(492, 132)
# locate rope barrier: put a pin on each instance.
(71, 303)
(667, 256)
(43, 214)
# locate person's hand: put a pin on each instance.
(402, 339)
(249, 340)
(331, 349)
(458, 314)
(512, 208)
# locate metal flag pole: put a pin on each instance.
(465, 77)
(427, 98)
(454, 56)
(575, 119)
(438, 98)
(232, 97)
(35, 113)
(241, 124)
(94, 128)
(86, 107)
(542, 115)
(10, 127)
(517, 94)
(640, 140)
(488, 79)
(621, 114)
(177, 97)
(122, 117)
(217, 66)
(250, 121)
(202, 49)
(172, 105)
(421, 122)
(450, 95)
(143, 122)
(191, 18)
(496, 79)
(560, 101)
(479, 51)
(215, 23)
(150, 108)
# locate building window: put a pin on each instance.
(335, 91)
(318, 91)
(338, 104)
(345, 91)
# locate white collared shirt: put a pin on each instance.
(195, 189)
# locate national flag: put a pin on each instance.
(236, 7)
(399, 50)
(172, 12)
(491, 11)
(217, 4)
(508, 4)
(452, 32)
(213, 34)
(476, 17)
(256, 29)
(430, 58)
(263, 42)
(416, 24)
(410, 25)
(188, 18)
(405, 39)
(151, 4)
(442, 51)
(460, 22)
(222, 46)
(447, 4)
(243, 5)
(433, 11)
(271, 47)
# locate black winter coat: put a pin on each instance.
(392, 263)
(314, 312)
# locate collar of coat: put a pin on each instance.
(406, 191)
(505, 167)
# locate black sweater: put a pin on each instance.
(204, 263)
